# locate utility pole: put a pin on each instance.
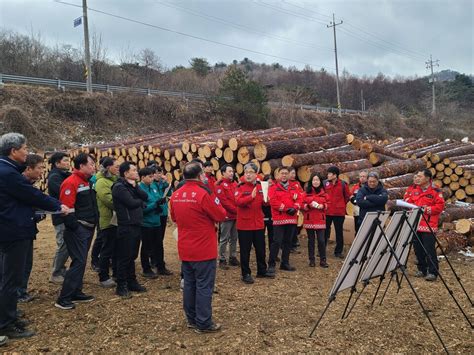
(429, 65)
(86, 49)
(333, 24)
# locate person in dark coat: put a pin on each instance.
(129, 201)
(17, 228)
(61, 164)
(372, 196)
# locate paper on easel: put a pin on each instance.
(404, 204)
(264, 190)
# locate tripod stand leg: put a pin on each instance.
(321, 317)
(388, 285)
(378, 289)
(358, 296)
(425, 311)
(353, 290)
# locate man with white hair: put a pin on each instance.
(17, 228)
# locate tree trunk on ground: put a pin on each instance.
(304, 172)
(277, 149)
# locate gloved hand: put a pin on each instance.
(158, 207)
(161, 201)
(291, 211)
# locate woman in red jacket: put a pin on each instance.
(314, 211)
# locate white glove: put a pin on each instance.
(314, 204)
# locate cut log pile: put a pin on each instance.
(308, 151)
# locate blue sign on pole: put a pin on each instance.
(78, 21)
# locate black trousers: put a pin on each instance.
(246, 239)
(96, 248)
(429, 242)
(78, 243)
(158, 259)
(318, 234)
(108, 253)
(282, 236)
(128, 244)
(357, 222)
(338, 226)
(12, 269)
(151, 252)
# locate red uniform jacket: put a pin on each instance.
(338, 196)
(195, 210)
(433, 202)
(314, 218)
(211, 182)
(290, 197)
(225, 190)
(249, 210)
(410, 191)
(355, 189)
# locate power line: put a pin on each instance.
(313, 19)
(192, 36)
(242, 27)
(360, 29)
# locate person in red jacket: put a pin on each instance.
(338, 196)
(225, 191)
(211, 179)
(285, 201)
(195, 210)
(314, 205)
(412, 188)
(294, 240)
(250, 224)
(354, 190)
(432, 201)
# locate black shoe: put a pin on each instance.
(149, 275)
(339, 255)
(212, 329)
(248, 279)
(267, 275)
(323, 264)
(14, 331)
(295, 251)
(22, 323)
(312, 263)
(64, 304)
(223, 265)
(82, 298)
(136, 287)
(234, 262)
(191, 325)
(287, 268)
(123, 292)
(164, 272)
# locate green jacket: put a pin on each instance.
(151, 216)
(103, 188)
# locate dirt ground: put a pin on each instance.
(268, 316)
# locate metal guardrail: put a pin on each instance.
(63, 84)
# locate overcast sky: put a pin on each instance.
(392, 37)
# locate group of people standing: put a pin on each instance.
(128, 207)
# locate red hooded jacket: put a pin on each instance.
(195, 210)
(338, 195)
(225, 190)
(249, 210)
(290, 197)
(314, 218)
(433, 202)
